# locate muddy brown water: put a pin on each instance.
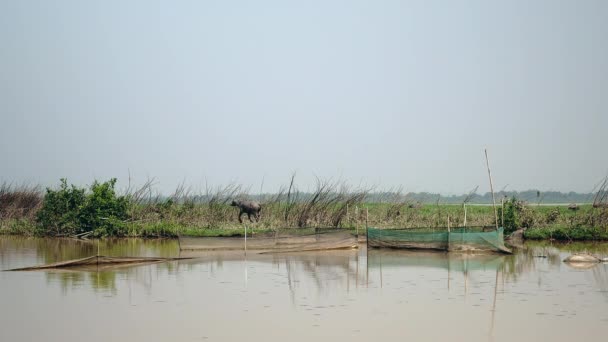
(322, 296)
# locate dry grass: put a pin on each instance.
(330, 204)
(19, 202)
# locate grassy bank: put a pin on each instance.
(101, 212)
(544, 223)
(567, 233)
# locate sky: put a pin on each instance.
(374, 93)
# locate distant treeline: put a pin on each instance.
(531, 196)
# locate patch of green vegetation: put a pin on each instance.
(567, 233)
(98, 210)
(511, 215)
(583, 246)
(70, 210)
(226, 232)
(18, 227)
(172, 230)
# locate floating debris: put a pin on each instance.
(582, 258)
(582, 261)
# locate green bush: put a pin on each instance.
(517, 215)
(566, 233)
(71, 210)
(552, 216)
(103, 211)
(511, 215)
(60, 210)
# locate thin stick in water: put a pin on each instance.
(448, 223)
(357, 220)
(492, 189)
(502, 212)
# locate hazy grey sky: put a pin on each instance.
(379, 92)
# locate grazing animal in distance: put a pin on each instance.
(573, 207)
(249, 208)
(416, 205)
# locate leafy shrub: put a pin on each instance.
(511, 215)
(60, 210)
(552, 216)
(517, 215)
(103, 211)
(71, 210)
(527, 218)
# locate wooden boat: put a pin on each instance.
(281, 240)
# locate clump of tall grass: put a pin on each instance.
(396, 203)
(19, 201)
(328, 205)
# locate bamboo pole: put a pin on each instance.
(492, 189)
(366, 248)
(448, 276)
(448, 248)
(357, 272)
(502, 212)
(465, 215)
(357, 221)
(347, 215)
(381, 281)
(448, 223)
(367, 229)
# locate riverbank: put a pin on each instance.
(567, 234)
(172, 230)
(99, 211)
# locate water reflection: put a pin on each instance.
(381, 294)
(327, 271)
(28, 251)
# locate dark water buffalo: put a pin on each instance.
(249, 208)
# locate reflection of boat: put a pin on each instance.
(459, 262)
(96, 262)
(326, 271)
(460, 239)
(280, 240)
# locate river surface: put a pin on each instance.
(313, 296)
